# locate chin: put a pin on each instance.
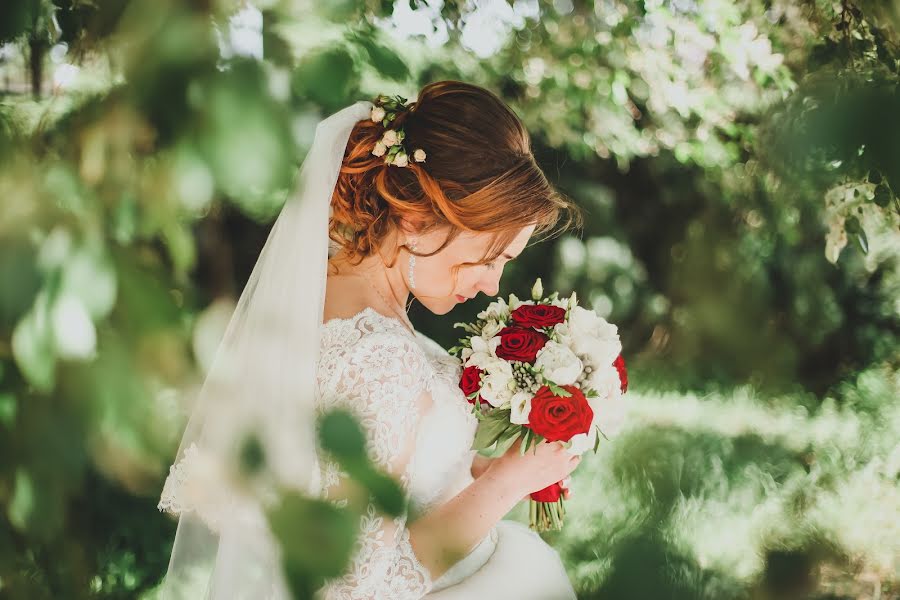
(440, 308)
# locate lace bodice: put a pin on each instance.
(404, 390)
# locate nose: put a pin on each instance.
(489, 284)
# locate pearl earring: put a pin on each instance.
(412, 265)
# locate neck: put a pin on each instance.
(387, 282)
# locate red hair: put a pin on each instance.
(479, 175)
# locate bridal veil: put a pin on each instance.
(257, 399)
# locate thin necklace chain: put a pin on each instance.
(405, 321)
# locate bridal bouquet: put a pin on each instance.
(542, 369)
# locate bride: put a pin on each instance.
(428, 200)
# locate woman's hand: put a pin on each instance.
(540, 466)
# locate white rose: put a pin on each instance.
(389, 138)
(593, 337)
(377, 114)
(558, 363)
(520, 403)
(379, 149)
(609, 406)
(496, 383)
(419, 155)
(401, 160)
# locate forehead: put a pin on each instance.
(481, 241)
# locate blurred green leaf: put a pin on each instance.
(32, 345)
(326, 77)
(7, 409)
(341, 434)
(384, 59)
(316, 540)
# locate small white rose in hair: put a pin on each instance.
(379, 149)
(378, 114)
(389, 138)
(419, 155)
(401, 160)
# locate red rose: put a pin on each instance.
(551, 493)
(518, 343)
(619, 364)
(538, 315)
(559, 418)
(471, 382)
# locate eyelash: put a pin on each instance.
(491, 265)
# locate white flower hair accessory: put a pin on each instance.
(390, 146)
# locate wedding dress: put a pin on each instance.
(404, 390)
(277, 366)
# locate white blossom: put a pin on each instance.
(389, 138)
(495, 310)
(497, 383)
(377, 114)
(419, 155)
(379, 149)
(401, 160)
(515, 303)
(520, 403)
(609, 406)
(592, 337)
(491, 328)
(483, 352)
(582, 442)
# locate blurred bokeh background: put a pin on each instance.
(739, 165)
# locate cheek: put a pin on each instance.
(437, 275)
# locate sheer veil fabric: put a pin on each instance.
(261, 383)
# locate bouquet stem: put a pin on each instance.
(544, 516)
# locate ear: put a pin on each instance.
(409, 229)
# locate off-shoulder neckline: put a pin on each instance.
(371, 310)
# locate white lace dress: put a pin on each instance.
(404, 390)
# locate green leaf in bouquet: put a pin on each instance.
(561, 392)
(490, 428)
(508, 438)
(526, 441)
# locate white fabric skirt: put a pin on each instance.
(512, 563)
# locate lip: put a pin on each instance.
(461, 298)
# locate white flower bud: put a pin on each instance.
(377, 114)
(537, 292)
(401, 160)
(379, 149)
(419, 155)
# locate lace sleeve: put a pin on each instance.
(382, 380)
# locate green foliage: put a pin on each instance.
(731, 495)
(717, 147)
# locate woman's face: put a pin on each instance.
(435, 287)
